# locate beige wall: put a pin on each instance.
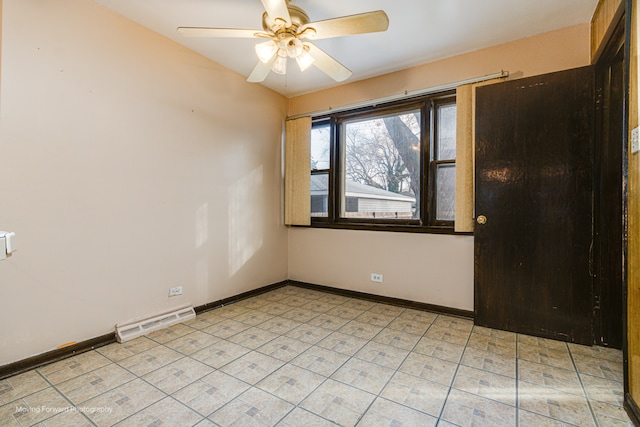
(554, 51)
(128, 165)
(431, 268)
(435, 269)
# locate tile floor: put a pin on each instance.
(298, 357)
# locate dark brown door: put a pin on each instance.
(534, 184)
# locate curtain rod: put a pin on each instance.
(405, 95)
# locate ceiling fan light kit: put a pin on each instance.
(280, 65)
(266, 50)
(286, 26)
(305, 60)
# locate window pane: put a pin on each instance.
(319, 194)
(320, 141)
(381, 164)
(446, 192)
(447, 132)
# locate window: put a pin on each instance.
(320, 166)
(386, 167)
(444, 163)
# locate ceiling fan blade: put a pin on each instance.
(277, 9)
(218, 32)
(327, 64)
(369, 22)
(261, 71)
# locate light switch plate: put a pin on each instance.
(635, 140)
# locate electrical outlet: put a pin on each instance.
(375, 277)
(635, 141)
(173, 292)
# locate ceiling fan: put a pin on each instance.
(286, 26)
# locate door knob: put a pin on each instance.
(481, 219)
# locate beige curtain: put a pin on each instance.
(297, 178)
(465, 154)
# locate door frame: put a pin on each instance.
(616, 45)
(629, 404)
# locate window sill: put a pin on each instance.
(396, 228)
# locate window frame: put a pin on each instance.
(426, 223)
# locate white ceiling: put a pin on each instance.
(420, 31)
